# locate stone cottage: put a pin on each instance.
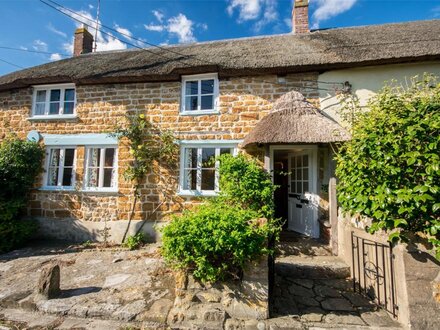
(274, 97)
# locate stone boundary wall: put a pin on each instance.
(416, 273)
(229, 305)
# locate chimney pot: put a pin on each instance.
(300, 17)
(83, 43)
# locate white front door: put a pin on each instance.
(303, 198)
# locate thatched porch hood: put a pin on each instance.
(295, 120)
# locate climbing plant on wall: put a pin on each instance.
(150, 148)
(390, 170)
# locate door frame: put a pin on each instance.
(292, 148)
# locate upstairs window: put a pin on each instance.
(54, 100)
(199, 94)
(60, 168)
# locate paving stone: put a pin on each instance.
(337, 304)
(30, 319)
(341, 319)
(340, 284)
(298, 290)
(307, 301)
(357, 299)
(312, 314)
(129, 311)
(284, 323)
(378, 319)
(304, 282)
(326, 291)
(115, 280)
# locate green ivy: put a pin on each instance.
(217, 239)
(390, 169)
(20, 164)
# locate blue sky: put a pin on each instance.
(33, 26)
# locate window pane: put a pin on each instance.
(306, 186)
(54, 157)
(208, 86)
(207, 102)
(305, 174)
(93, 177)
(52, 176)
(208, 179)
(69, 95)
(225, 151)
(54, 108)
(108, 177)
(190, 180)
(191, 157)
(40, 108)
(298, 162)
(69, 155)
(191, 103)
(55, 95)
(192, 88)
(298, 174)
(298, 188)
(305, 160)
(94, 157)
(41, 96)
(67, 177)
(208, 157)
(109, 156)
(68, 108)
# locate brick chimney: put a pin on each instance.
(83, 42)
(300, 16)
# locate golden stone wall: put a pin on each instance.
(242, 103)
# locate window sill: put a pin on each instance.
(100, 191)
(54, 117)
(193, 193)
(199, 112)
(50, 188)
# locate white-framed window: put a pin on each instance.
(200, 94)
(199, 168)
(101, 168)
(54, 101)
(60, 168)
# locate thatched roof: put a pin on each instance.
(295, 120)
(315, 51)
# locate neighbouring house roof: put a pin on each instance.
(295, 120)
(315, 51)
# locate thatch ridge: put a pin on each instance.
(287, 53)
(295, 120)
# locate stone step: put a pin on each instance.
(316, 267)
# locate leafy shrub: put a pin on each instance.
(390, 170)
(134, 242)
(20, 164)
(243, 182)
(215, 240)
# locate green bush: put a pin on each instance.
(134, 242)
(390, 170)
(243, 182)
(217, 239)
(20, 164)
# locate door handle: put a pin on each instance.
(305, 201)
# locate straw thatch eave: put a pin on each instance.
(294, 120)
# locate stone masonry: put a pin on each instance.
(242, 103)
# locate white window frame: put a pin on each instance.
(45, 186)
(199, 78)
(200, 145)
(101, 168)
(48, 88)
